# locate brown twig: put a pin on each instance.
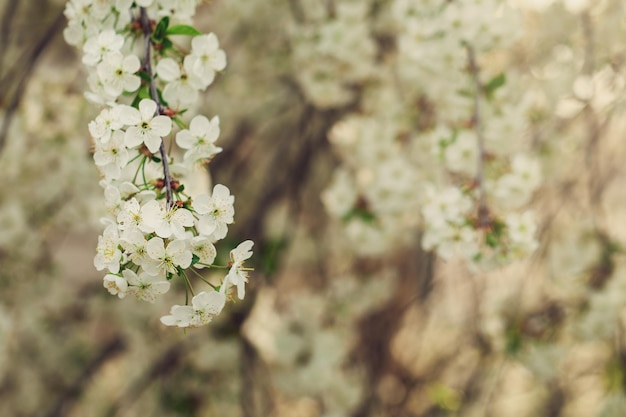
(483, 210)
(24, 75)
(146, 27)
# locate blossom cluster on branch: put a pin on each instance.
(146, 82)
(438, 130)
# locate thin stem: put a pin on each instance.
(202, 278)
(483, 210)
(186, 279)
(143, 172)
(214, 266)
(146, 26)
(138, 168)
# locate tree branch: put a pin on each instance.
(483, 210)
(146, 27)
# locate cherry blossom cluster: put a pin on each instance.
(156, 229)
(344, 51)
(438, 143)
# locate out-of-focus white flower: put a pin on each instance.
(462, 155)
(99, 46)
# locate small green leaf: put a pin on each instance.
(195, 259)
(161, 99)
(183, 30)
(144, 76)
(144, 92)
(491, 239)
(181, 188)
(514, 339)
(445, 397)
(361, 214)
(160, 30)
(495, 83)
(155, 159)
(179, 123)
(166, 44)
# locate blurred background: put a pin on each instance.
(338, 321)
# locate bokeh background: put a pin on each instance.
(327, 329)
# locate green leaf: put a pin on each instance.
(195, 259)
(144, 76)
(361, 214)
(144, 92)
(446, 398)
(183, 30)
(495, 83)
(161, 29)
(514, 339)
(271, 254)
(161, 99)
(491, 239)
(179, 123)
(166, 44)
(155, 159)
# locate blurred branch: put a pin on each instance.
(296, 11)
(483, 210)
(256, 396)
(5, 26)
(26, 71)
(164, 365)
(378, 329)
(73, 393)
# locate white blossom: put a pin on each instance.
(199, 139)
(145, 127)
(206, 58)
(111, 156)
(165, 259)
(215, 212)
(117, 73)
(204, 307)
(99, 46)
(116, 285)
(108, 254)
(237, 275)
(144, 286)
(164, 222)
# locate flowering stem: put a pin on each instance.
(146, 27)
(188, 283)
(483, 210)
